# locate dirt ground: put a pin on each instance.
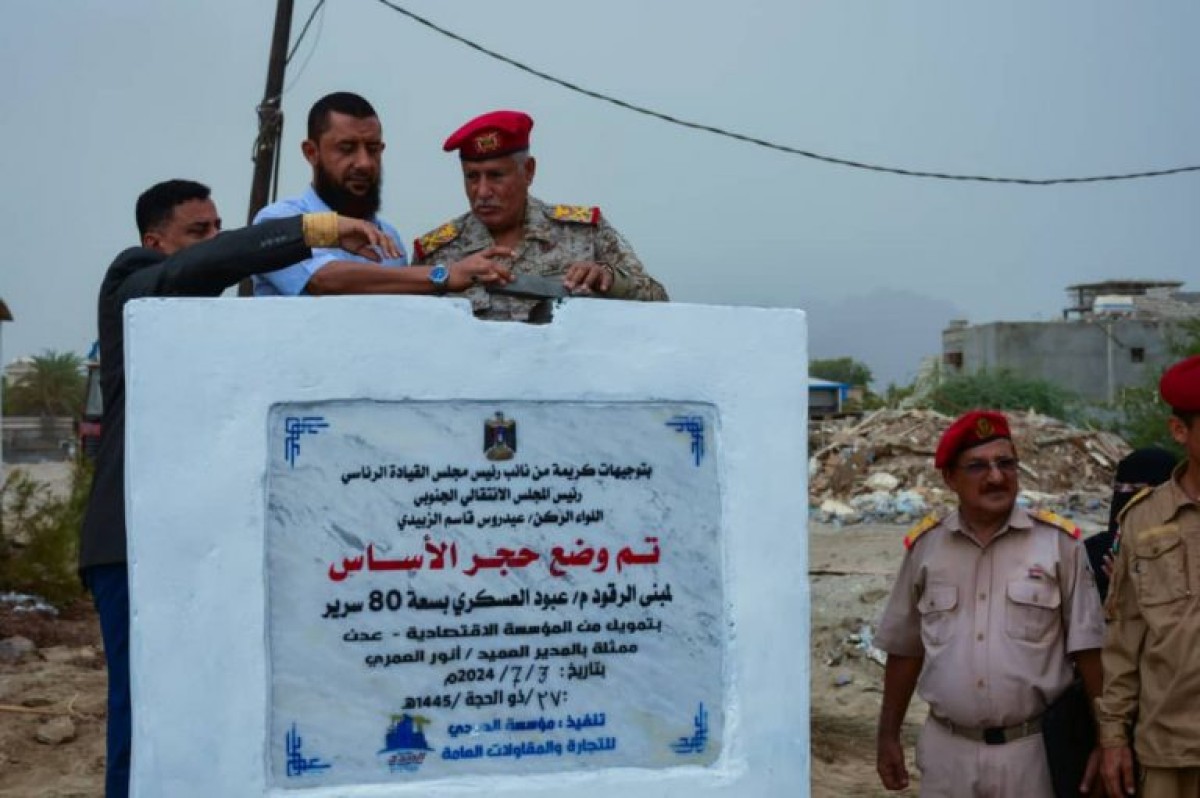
(64, 679)
(850, 575)
(58, 690)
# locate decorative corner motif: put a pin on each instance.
(297, 763)
(499, 437)
(697, 741)
(693, 425)
(293, 428)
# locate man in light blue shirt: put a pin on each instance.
(345, 149)
(294, 280)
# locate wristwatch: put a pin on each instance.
(439, 275)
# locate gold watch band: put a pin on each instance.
(320, 229)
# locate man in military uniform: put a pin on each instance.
(572, 243)
(1152, 652)
(990, 605)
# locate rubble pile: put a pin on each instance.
(880, 467)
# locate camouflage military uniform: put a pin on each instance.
(556, 236)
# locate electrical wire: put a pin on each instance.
(1022, 181)
(312, 50)
(304, 31)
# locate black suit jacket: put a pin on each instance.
(204, 269)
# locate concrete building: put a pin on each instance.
(1113, 334)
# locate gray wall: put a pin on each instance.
(33, 439)
(1075, 354)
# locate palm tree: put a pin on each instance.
(53, 386)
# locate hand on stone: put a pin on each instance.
(483, 267)
(364, 238)
(586, 278)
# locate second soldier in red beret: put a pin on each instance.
(992, 604)
(1151, 699)
(572, 245)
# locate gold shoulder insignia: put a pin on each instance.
(1054, 519)
(924, 525)
(580, 214)
(434, 240)
(1137, 497)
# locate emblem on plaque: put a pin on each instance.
(404, 744)
(499, 438)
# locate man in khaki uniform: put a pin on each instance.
(989, 606)
(571, 243)
(1152, 652)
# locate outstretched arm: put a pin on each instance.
(208, 268)
(351, 277)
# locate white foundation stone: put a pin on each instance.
(380, 548)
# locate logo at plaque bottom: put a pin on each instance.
(404, 745)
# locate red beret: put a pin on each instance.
(970, 429)
(492, 135)
(1180, 385)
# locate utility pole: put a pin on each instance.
(5, 315)
(270, 120)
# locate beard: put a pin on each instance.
(347, 203)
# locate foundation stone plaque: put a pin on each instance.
(481, 587)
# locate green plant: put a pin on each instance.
(39, 535)
(1002, 390)
(845, 370)
(895, 394)
(53, 386)
(1140, 414)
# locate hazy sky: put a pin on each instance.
(101, 99)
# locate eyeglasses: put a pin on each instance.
(979, 468)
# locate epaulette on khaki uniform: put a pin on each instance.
(1137, 497)
(435, 239)
(580, 214)
(1112, 604)
(924, 525)
(1054, 519)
